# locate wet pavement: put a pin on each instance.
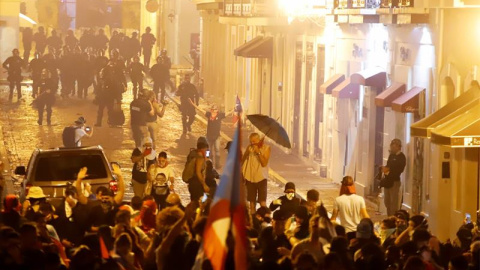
(22, 134)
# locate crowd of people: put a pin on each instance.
(99, 229)
(91, 64)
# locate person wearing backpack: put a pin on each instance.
(72, 135)
(194, 172)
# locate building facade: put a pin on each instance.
(345, 81)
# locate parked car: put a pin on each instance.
(54, 169)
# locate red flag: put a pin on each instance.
(104, 249)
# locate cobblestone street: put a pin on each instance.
(22, 135)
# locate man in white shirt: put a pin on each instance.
(349, 207)
(82, 131)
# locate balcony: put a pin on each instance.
(250, 8)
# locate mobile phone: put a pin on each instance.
(87, 129)
(208, 153)
(205, 197)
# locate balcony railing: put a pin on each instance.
(250, 8)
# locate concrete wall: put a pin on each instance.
(183, 19)
(9, 27)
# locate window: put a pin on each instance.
(66, 167)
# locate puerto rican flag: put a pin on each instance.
(227, 214)
(237, 111)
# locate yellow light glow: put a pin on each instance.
(301, 7)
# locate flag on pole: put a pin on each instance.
(237, 111)
(227, 213)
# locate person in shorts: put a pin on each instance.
(255, 171)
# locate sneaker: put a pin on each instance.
(98, 125)
(39, 122)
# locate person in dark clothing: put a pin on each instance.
(188, 95)
(114, 43)
(210, 177)
(67, 219)
(133, 47)
(395, 166)
(105, 96)
(197, 185)
(52, 65)
(136, 71)
(35, 68)
(85, 75)
(214, 118)
(261, 219)
(87, 40)
(147, 42)
(70, 40)
(273, 242)
(120, 78)
(13, 65)
(302, 229)
(40, 40)
(46, 97)
(101, 211)
(54, 43)
(159, 73)
(10, 215)
(139, 109)
(167, 62)
(142, 157)
(27, 39)
(288, 202)
(67, 73)
(101, 41)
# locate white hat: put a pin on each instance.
(35, 193)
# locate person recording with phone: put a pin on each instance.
(82, 131)
(142, 158)
(255, 171)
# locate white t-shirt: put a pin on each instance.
(79, 133)
(168, 171)
(349, 210)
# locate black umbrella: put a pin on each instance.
(271, 128)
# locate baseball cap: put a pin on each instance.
(364, 229)
(80, 120)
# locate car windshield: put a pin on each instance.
(65, 167)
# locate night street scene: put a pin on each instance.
(239, 134)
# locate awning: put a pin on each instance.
(456, 107)
(409, 101)
(259, 47)
(327, 87)
(385, 98)
(370, 77)
(461, 131)
(346, 89)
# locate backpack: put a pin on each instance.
(68, 136)
(189, 169)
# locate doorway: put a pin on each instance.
(298, 87)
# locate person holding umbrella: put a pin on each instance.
(255, 171)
